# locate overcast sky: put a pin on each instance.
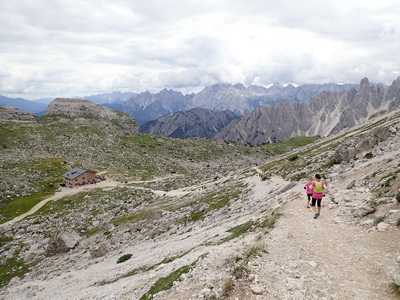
(66, 48)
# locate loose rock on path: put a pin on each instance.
(323, 258)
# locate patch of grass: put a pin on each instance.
(195, 216)
(4, 240)
(21, 205)
(238, 231)
(398, 197)
(300, 176)
(331, 162)
(130, 218)
(144, 268)
(254, 251)
(391, 175)
(165, 283)
(46, 173)
(379, 220)
(91, 232)
(11, 268)
(171, 259)
(124, 258)
(293, 143)
(129, 274)
(388, 182)
(143, 140)
(215, 200)
(395, 288)
(240, 271)
(269, 222)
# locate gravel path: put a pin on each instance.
(323, 258)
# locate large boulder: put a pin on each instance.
(345, 154)
(102, 250)
(63, 242)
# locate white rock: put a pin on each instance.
(256, 290)
(382, 226)
(398, 259)
(313, 264)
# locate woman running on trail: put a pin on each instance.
(318, 186)
(309, 191)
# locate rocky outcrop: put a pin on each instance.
(100, 251)
(197, 122)
(84, 112)
(63, 242)
(353, 149)
(9, 113)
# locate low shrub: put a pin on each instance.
(395, 288)
(379, 220)
(227, 286)
(240, 272)
(369, 155)
(124, 258)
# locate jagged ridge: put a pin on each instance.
(326, 113)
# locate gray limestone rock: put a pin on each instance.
(102, 250)
(63, 242)
(14, 114)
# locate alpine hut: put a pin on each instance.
(79, 176)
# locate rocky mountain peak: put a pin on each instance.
(196, 122)
(364, 83)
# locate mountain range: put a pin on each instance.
(148, 106)
(237, 98)
(34, 107)
(325, 113)
(256, 115)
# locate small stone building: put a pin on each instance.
(79, 176)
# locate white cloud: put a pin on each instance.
(52, 48)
